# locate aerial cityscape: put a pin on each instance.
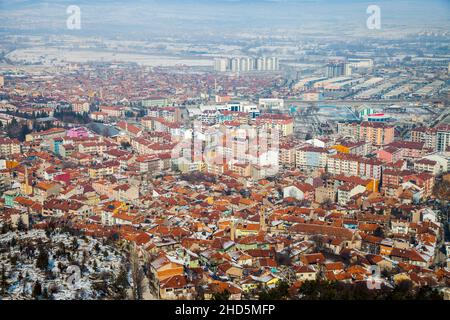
(224, 150)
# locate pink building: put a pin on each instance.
(389, 154)
(80, 132)
(410, 149)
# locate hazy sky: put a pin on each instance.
(187, 17)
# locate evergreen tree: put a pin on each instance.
(3, 281)
(42, 260)
(121, 285)
(37, 290)
(221, 296)
(45, 294)
(428, 293)
(5, 228)
(280, 292)
(74, 243)
(21, 226)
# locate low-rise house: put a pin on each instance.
(305, 273)
(219, 287)
(347, 191)
(165, 267)
(176, 288)
(426, 165)
(43, 190)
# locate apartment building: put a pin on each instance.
(80, 106)
(283, 123)
(287, 154)
(376, 133)
(379, 134)
(427, 165)
(104, 169)
(354, 165)
(310, 158)
(113, 111)
(443, 138)
(437, 138)
(426, 135)
(9, 147)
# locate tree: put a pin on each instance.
(42, 260)
(318, 290)
(95, 266)
(379, 232)
(428, 293)
(318, 241)
(5, 228)
(280, 292)
(3, 281)
(74, 243)
(13, 260)
(221, 296)
(441, 190)
(283, 258)
(45, 294)
(403, 290)
(21, 226)
(37, 290)
(62, 248)
(326, 290)
(137, 275)
(121, 285)
(125, 145)
(101, 285)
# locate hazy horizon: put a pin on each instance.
(140, 19)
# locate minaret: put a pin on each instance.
(262, 220)
(232, 230)
(26, 176)
(27, 190)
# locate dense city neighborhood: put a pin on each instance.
(307, 171)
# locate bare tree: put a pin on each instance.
(137, 274)
(442, 191)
